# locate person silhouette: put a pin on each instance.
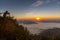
(6, 14)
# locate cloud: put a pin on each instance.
(58, 3)
(31, 14)
(48, 1)
(37, 3)
(41, 2)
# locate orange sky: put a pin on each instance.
(35, 17)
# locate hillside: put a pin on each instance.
(10, 30)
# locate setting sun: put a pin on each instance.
(37, 18)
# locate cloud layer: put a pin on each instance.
(37, 3)
(41, 2)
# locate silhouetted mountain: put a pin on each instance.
(27, 22)
(51, 21)
(35, 22)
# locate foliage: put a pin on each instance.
(11, 30)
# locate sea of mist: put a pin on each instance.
(37, 28)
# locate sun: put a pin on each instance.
(37, 18)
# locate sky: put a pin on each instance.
(31, 8)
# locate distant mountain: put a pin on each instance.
(26, 22)
(51, 21)
(35, 22)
